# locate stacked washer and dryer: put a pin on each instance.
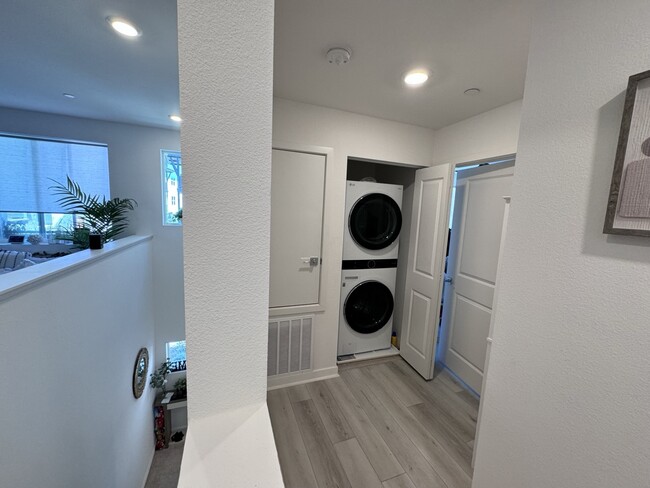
(370, 248)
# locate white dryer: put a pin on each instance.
(373, 220)
(367, 302)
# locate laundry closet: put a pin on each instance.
(379, 198)
(342, 302)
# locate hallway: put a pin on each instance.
(378, 425)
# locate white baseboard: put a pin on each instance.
(292, 379)
(364, 356)
(146, 475)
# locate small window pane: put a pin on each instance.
(176, 354)
(172, 187)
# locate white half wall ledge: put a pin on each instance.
(27, 278)
(232, 449)
(62, 323)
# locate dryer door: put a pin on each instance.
(368, 307)
(375, 221)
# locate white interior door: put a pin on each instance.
(506, 213)
(427, 245)
(297, 192)
(472, 267)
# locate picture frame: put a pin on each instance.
(628, 206)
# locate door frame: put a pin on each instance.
(325, 251)
(499, 164)
(454, 166)
(488, 345)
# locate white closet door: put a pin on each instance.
(297, 192)
(472, 267)
(427, 245)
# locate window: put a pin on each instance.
(46, 225)
(27, 205)
(172, 187)
(176, 354)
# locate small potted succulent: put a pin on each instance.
(34, 239)
(180, 389)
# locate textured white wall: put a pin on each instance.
(67, 353)
(492, 133)
(134, 159)
(226, 71)
(350, 135)
(566, 402)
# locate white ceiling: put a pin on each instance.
(465, 43)
(50, 48)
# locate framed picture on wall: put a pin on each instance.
(628, 207)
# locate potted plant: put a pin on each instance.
(104, 219)
(180, 388)
(159, 377)
(34, 239)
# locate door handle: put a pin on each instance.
(311, 261)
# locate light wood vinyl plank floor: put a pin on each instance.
(296, 469)
(379, 425)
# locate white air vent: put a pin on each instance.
(289, 345)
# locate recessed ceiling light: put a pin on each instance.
(124, 27)
(416, 77)
(472, 91)
(69, 95)
(176, 118)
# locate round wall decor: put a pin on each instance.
(140, 372)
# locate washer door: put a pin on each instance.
(375, 221)
(368, 307)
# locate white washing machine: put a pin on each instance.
(367, 302)
(373, 220)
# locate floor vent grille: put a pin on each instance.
(290, 343)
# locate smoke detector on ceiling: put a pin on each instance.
(338, 56)
(471, 92)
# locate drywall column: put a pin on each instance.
(567, 398)
(226, 71)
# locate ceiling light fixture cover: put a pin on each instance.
(69, 95)
(176, 118)
(339, 56)
(416, 77)
(472, 91)
(124, 27)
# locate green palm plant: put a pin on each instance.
(100, 216)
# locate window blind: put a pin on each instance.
(29, 166)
